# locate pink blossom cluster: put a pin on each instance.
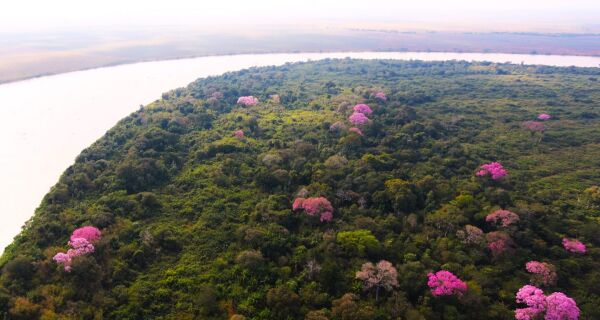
(535, 300)
(247, 100)
(445, 283)
(573, 245)
(534, 126)
(356, 130)
(64, 259)
(544, 116)
(382, 275)
(502, 218)
(498, 242)
(81, 244)
(495, 169)
(89, 233)
(556, 306)
(238, 134)
(358, 118)
(363, 108)
(379, 95)
(544, 273)
(315, 206)
(560, 307)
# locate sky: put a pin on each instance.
(474, 15)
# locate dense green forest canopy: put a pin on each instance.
(193, 195)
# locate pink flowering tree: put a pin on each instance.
(81, 243)
(493, 169)
(543, 273)
(534, 126)
(502, 218)
(64, 259)
(358, 118)
(445, 283)
(238, 134)
(380, 95)
(498, 242)
(560, 307)
(535, 300)
(556, 306)
(356, 130)
(89, 233)
(247, 101)
(544, 116)
(317, 206)
(383, 275)
(80, 246)
(363, 108)
(573, 245)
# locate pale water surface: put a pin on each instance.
(47, 121)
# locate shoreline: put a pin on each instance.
(110, 65)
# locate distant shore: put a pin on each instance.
(21, 64)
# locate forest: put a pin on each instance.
(336, 189)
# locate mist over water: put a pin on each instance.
(48, 121)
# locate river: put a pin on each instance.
(49, 120)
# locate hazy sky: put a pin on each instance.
(36, 15)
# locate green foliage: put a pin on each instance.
(357, 242)
(197, 224)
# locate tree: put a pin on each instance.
(400, 192)
(534, 299)
(502, 218)
(283, 302)
(494, 169)
(447, 219)
(471, 235)
(316, 315)
(498, 242)
(556, 306)
(315, 206)
(89, 233)
(445, 283)
(573, 245)
(358, 118)
(250, 259)
(141, 174)
(592, 196)
(347, 308)
(543, 273)
(357, 241)
(19, 269)
(383, 275)
(363, 108)
(23, 309)
(247, 100)
(561, 307)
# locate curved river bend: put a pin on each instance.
(49, 120)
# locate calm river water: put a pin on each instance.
(49, 120)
